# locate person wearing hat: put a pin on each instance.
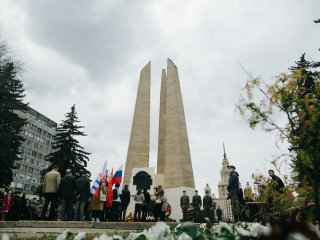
(184, 204)
(196, 205)
(233, 190)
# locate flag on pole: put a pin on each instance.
(103, 173)
(101, 177)
(95, 186)
(110, 193)
(117, 177)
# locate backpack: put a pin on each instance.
(115, 193)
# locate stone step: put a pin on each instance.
(25, 233)
(80, 225)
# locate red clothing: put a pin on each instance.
(6, 203)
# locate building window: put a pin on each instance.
(27, 151)
(33, 188)
(29, 142)
(39, 130)
(41, 147)
(17, 165)
(34, 153)
(31, 135)
(40, 155)
(36, 171)
(28, 125)
(36, 145)
(28, 178)
(47, 142)
(49, 135)
(30, 170)
(27, 187)
(33, 127)
(26, 132)
(34, 180)
(33, 161)
(21, 176)
(23, 168)
(42, 140)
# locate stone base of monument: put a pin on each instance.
(143, 178)
(146, 177)
(173, 195)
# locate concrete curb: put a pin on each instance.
(81, 225)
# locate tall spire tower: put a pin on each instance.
(138, 151)
(177, 160)
(162, 125)
(222, 188)
(224, 172)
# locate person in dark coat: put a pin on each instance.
(196, 206)
(23, 207)
(207, 206)
(67, 191)
(233, 190)
(219, 213)
(276, 182)
(125, 200)
(83, 195)
(184, 204)
(146, 204)
(15, 213)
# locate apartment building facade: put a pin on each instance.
(38, 133)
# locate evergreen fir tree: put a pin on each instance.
(306, 82)
(67, 151)
(11, 97)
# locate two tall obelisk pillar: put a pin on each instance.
(174, 160)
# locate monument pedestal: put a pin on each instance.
(143, 177)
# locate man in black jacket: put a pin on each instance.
(83, 195)
(67, 190)
(146, 204)
(233, 190)
(276, 182)
(196, 206)
(125, 200)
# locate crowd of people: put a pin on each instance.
(16, 206)
(71, 199)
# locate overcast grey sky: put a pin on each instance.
(90, 53)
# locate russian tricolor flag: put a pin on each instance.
(117, 177)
